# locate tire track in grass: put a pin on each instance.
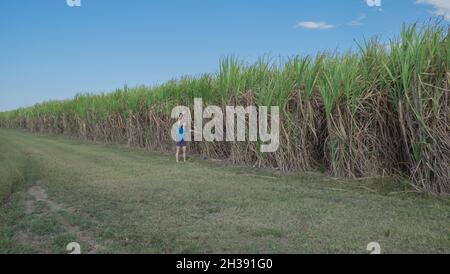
(40, 206)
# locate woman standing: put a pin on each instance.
(181, 141)
(181, 138)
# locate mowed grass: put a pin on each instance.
(113, 199)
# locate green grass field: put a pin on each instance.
(113, 199)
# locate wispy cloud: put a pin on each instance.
(314, 25)
(358, 21)
(373, 3)
(441, 7)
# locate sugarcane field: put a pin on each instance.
(191, 127)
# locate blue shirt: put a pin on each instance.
(181, 134)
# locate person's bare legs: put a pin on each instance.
(184, 154)
(176, 154)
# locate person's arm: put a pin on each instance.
(180, 119)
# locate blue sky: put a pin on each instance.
(49, 50)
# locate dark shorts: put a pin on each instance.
(181, 143)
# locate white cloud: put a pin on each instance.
(314, 25)
(358, 21)
(373, 3)
(441, 7)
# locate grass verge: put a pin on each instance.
(112, 199)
